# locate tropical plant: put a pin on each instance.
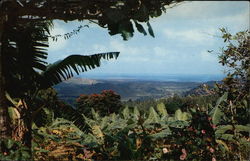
(36, 74)
(26, 68)
(237, 60)
(230, 136)
(131, 135)
(117, 16)
(63, 110)
(13, 150)
(105, 103)
(60, 140)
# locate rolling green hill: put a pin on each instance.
(128, 89)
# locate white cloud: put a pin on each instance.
(61, 42)
(117, 45)
(204, 10)
(205, 14)
(238, 22)
(98, 48)
(208, 57)
(129, 50)
(123, 48)
(160, 51)
(191, 36)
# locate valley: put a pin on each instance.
(129, 89)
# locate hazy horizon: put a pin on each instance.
(154, 77)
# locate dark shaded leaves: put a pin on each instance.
(140, 28)
(150, 30)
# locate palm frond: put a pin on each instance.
(65, 69)
(26, 52)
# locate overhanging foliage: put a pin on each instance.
(117, 16)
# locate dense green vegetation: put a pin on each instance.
(24, 32)
(36, 125)
(27, 69)
(214, 126)
(160, 132)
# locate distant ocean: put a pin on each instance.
(156, 77)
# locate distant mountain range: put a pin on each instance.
(127, 88)
(134, 87)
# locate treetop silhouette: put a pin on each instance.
(116, 16)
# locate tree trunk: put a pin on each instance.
(4, 116)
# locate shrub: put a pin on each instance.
(236, 58)
(13, 150)
(106, 102)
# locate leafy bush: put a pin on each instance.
(62, 140)
(106, 102)
(130, 135)
(232, 138)
(176, 102)
(13, 150)
(43, 106)
(133, 135)
(236, 58)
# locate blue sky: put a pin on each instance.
(182, 37)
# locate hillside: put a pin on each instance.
(128, 89)
(202, 89)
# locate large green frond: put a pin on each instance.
(65, 69)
